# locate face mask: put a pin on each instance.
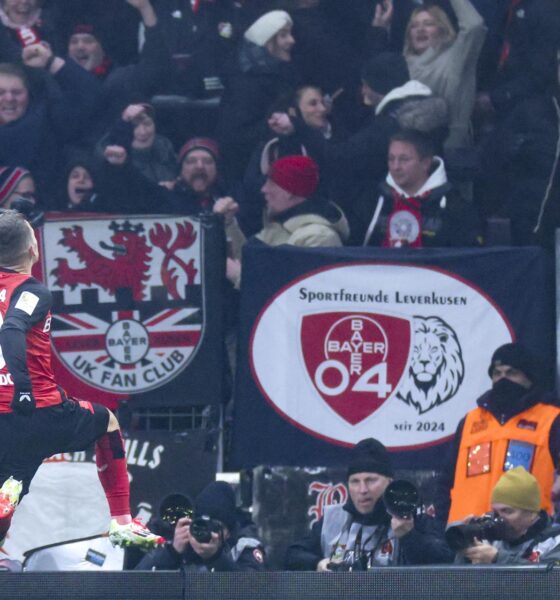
(507, 396)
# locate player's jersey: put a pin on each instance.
(25, 307)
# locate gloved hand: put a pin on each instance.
(23, 401)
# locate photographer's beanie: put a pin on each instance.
(370, 456)
(217, 501)
(519, 489)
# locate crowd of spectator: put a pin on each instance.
(328, 80)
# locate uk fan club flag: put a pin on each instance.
(128, 310)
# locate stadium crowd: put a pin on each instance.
(81, 112)
(388, 123)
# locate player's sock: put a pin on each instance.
(111, 469)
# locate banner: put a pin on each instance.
(342, 344)
(137, 307)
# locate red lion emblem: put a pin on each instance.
(128, 268)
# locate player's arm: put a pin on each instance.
(29, 305)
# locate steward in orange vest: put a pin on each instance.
(515, 424)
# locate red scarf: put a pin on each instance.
(27, 36)
(404, 225)
(506, 47)
(101, 70)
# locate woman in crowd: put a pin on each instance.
(262, 74)
(152, 154)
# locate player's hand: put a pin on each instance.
(23, 402)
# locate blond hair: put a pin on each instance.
(447, 31)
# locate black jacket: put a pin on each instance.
(532, 35)
(447, 220)
(252, 85)
(523, 172)
(242, 551)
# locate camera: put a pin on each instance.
(401, 498)
(203, 527)
(175, 507)
(357, 564)
(488, 527)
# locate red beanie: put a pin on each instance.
(200, 143)
(298, 175)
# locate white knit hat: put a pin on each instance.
(267, 26)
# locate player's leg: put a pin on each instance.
(112, 472)
(111, 469)
(18, 465)
(80, 423)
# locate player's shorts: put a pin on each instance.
(26, 441)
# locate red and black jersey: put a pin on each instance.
(25, 348)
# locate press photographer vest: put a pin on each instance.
(487, 449)
(339, 533)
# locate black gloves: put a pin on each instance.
(23, 401)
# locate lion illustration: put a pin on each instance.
(436, 367)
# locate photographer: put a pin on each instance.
(217, 538)
(516, 424)
(361, 533)
(522, 532)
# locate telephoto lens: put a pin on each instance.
(401, 499)
(489, 527)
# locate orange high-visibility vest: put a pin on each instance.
(488, 449)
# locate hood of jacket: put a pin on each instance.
(315, 212)
(410, 89)
(437, 179)
(415, 107)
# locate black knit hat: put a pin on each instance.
(217, 501)
(385, 72)
(516, 356)
(370, 456)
